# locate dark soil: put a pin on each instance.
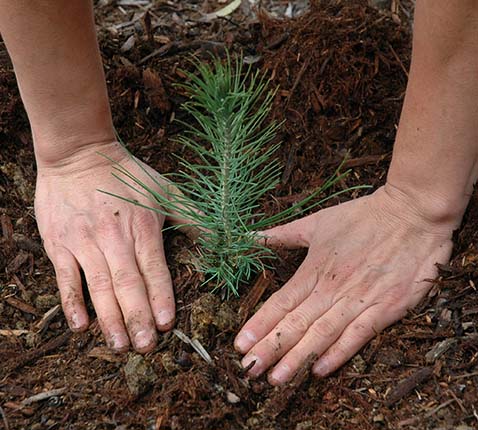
(341, 68)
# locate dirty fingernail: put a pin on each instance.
(322, 368)
(253, 364)
(245, 341)
(165, 318)
(281, 373)
(143, 339)
(75, 322)
(118, 341)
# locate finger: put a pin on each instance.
(287, 332)
(291, 295)
(318, 338)
(68, 279)
(355, 336)
(102, 295)
(153, 267)
(295, 234)
(131, 295)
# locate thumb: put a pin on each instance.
(186, 226)
(295, 234)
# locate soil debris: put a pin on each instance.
(409, 384)
(340, 68)
(139, 374)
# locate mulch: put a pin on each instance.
(341, 68)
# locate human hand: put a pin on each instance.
(369, 261)
(117, 245)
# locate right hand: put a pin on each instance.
(118, 246)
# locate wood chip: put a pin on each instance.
(279, 401)
(27, 357)
(47, 318)
(405, 387)
(250, 301)
(21, 258)
(104, 353)
(158, 99)
(8, 332)
(195, 344)
(43, 396)
(439, 349)
(22, 306)
(129, 44)
(7, 229)
(221, 13)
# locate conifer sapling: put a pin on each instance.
(221, 195)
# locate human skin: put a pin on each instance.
(369, 259)
(119, 246)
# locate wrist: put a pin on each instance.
(87, 155)
(437, 205)
(69, 134)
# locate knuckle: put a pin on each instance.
(297, 321)
(108, 228)
(145, 221)
(155, 264)
(324, 328)
(283, 302)
(339, 352)
(268, 348)
(66, 278)
(99, 282)
(81, 227)
(126, 279)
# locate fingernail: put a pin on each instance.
(281, 373)
(322, 368)
(118, 341)
(245, 341)
(247, 361)
(143, 339)
(165, 318)
(75, 322)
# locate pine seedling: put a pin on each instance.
(220, 195)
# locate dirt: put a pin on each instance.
(341, 68)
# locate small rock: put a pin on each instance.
(46, 302)
(139, 373)
(232, 398)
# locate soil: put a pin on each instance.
(341, 68)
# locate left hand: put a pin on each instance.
(369, 261)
